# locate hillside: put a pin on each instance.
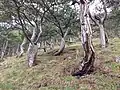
(54, 72)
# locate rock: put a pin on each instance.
(118, 59)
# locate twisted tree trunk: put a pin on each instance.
(62, 46)
(86, 38)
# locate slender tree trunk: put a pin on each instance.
(17, 50)
(86, 38)
(62, 46)
(102, 36)
(44, 46)
(32, 50)
(5, 45)
(22, 46)
(106, 39)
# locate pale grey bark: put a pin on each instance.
(99, 21)
(31, 54)
(102, 36)
(32, 50)
(86, 38)
(33, 47)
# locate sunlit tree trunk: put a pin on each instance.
(86, 38)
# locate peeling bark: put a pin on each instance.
(86, 38)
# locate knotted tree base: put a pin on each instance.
(85, 70)
(88, 66)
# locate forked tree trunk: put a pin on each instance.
(86, 37)
(32, 50)
(100, 22)
(33, 47)
(62, 46)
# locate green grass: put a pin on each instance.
(54, 72)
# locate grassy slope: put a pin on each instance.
(54, 73)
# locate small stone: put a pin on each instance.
(118, 59)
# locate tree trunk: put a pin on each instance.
(22, 46)
(33, 47)
(5, 45)
(106, 39)
(51, 44)
(62, 46)
(17, 50)
(86, 38)
(44, 46)
(32, 50)
(31, 55)
(102, 36)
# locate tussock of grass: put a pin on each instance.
(54, 72)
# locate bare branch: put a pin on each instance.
(105, 14)
(19, 16)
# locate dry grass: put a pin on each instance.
(54, 72)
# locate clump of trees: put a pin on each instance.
(29, 25)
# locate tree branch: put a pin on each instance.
(23, 29)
